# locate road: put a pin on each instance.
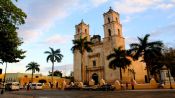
(165, 93)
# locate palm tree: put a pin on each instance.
(82, 45)
(34, 67)
(54, 56)
(118, 59)
(147, 50)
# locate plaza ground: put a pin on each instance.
(156, 93)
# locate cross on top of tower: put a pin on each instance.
(110, 9)
(82, 21)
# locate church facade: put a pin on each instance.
(96, 63)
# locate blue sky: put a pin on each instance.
(51, 23)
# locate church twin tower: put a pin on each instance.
(95, 64)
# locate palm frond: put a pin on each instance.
(118, 59)
(134, 45)
(32, 66)
(52, 50)
(49, 58)
(47, 52)
(111, 56)
(81, 45)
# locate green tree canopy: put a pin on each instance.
(119, 59)
(56, 73)
(33, 66)
(10, 18)
(148, 50)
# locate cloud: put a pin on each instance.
(66, 68)
(167, 30)
(42, 14)
(137, 6)
(170, 44)
(165, 33)
(96, 3)
(130, 40)
(58, 39)
(166, 6)
(29, 36)
(127, 19)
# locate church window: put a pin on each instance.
(94, 63)
(85, 30)
(116, 19)
(109, 32)
(109, 20)
(118, 32)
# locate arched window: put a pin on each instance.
(94, 63)
(109, 32)
(85, 30)
(119, 32)
(109, 20)
(116, 19)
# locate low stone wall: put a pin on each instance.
(151, 85)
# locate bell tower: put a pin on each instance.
(113, 38)
(82, 30)
(113, 29)
(112, 24)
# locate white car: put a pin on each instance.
(37, 86)
(12, 86)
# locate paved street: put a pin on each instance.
(91, 94)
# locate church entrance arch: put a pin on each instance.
(95, 78)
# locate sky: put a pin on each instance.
(51, 23)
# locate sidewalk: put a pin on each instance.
(14, 96)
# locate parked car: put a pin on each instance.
(12, 86)
(37, 86)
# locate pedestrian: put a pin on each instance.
(126, 85)
(28, 87)
(57, 85)
(132, 83)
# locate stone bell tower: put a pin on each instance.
(82, 30)
(113, 38)
(113, 29)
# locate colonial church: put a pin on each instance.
(96, 63)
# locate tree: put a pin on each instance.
(168, 59)
(56, 73)
(119, 59)
(10, 18)
(82, 45)
(147, 50)
(54, 56)
(33, 66)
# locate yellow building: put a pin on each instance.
(24, 78)
(96, 63)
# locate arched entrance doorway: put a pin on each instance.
(95, 78)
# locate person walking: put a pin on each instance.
(132, 84)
